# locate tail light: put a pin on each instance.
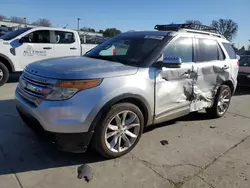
(238, 63)
(114, 51)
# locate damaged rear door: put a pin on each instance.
(212, 70)
(173, 90)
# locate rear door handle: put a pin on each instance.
(47, 48)
(225, 67)
(73, 48)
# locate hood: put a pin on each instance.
(79, 68)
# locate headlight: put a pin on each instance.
(66, 89)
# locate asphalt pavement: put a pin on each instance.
(195, 152)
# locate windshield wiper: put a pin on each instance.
(108, 58)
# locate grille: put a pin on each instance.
(34, 88)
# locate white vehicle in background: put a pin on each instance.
(27, 45)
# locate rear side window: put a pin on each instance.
(230, 50)
(181, 47)
(63, 37)
(206, 50)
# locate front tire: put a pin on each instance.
(221, 102)
(4, 74)
(119, 131)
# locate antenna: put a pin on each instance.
(65, 26)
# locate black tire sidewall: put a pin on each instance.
(99, 135)
(5, 74)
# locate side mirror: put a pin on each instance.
(171, 62)
(238, 57)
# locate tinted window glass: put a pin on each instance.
(221, 53)
(132, 50)
(230, 50)
(245, 61)
(41, 36)
(89, 39)
(15, 33)
(63, 37)
(206, 50)
(181, 47)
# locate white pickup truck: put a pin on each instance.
(26, 45)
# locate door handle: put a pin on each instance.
(225, 67)
(47, 48)
(187, 73)
(73, 48)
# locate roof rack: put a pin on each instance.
(177, 27)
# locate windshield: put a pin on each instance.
(11, 35)
(131, 50)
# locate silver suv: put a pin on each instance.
(136, 79)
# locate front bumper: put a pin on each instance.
(57, 116)
(70, 142)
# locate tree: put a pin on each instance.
(91, 30)
(226, 27)
(42, 22)
(101, 31)
(193, 22)
(111, 32)
(19, 20)
(84, 29)
(248, 48)
(87, 29)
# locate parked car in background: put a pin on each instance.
(26, 45)
(106, 99)
(3, 30)
(244, 71)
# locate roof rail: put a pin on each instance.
(177, 27)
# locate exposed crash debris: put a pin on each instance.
(85, 171)
(164, 142)
(212, 126)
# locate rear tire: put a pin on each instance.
(221, 102)
(123, 138)
(4, 74)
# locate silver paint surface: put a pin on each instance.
(80, 68)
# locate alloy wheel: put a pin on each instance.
(122, 131)
(223, 102)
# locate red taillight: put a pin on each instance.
(114, 51)
(238, 63)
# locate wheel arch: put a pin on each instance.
(135, 99)
(230, 84)
(7, 62)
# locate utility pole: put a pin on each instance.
(78, 19)
(24, 22)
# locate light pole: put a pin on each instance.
(78, 19)
(24, 21)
